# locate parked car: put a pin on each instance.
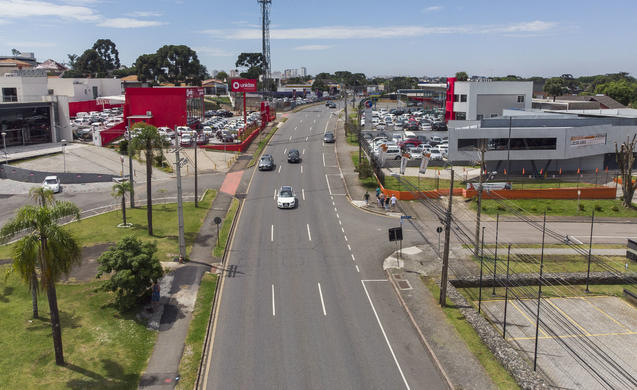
(186, 140)
(439, 126)
(332, 105)
(266, 163)
(202, 139)
(286, 198)
(329, 138)
(435, 140)
(294, 156)
(410, 142)
(435, 154)
(392, 153)
(51, 183)
(415, 153)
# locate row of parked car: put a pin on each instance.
(411, 119)
(390, 146)
(83, 124)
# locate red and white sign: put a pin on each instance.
(244, 85)
(194, 93)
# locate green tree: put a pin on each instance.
(625, 155)
(253, 62)
(148, 68)
(554, 87)
(72, 58)
(135, 267)
(90, 63)
(147, 140)
(107, 50)
(621, 90)
(223, 76)
(119, 191)
(179, 64)
(462, 76)
(47, 247)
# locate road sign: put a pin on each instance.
(396, 234)
(244, 85)
(439, 229)
(217, 220)
(405, 217)
(368, 104)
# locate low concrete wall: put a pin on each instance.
(547, 193)
(554, 278)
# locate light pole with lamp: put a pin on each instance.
(4, 143)
(64, 153)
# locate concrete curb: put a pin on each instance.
(424, 341)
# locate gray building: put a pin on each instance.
(542, 141)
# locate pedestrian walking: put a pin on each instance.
(381, 200)
(155, 295)
(393, 201)
(377, 192)
(386, 203)
(366, 196)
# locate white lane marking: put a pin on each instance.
(285, 150)
(353, 258)
(309, 236)
(273, 307)
(328, 122)
(385, 335)
(272, 233)
(303, 151)
(331, 197)
(342, 229)
(323, 159)
(301, 121)
(340, 223)
(295, 128)
(338, 216)
(301, 168)
(374, 280)
(349, 247)
(303, 193)
(328, 185)
(279, 169)
(310, 129)
(290, 139)
(274, 197)
(322, 302)
(306, 138)
(314, 122)
(345, 238)
(333, 204)
(357, 270)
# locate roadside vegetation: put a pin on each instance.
(558, 207)
(422, 183)
(553, 263)
(367, 178)
(494, 369)
(224, 229)
(262, 144)
(191, 358)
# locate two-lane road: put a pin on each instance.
(299, 313)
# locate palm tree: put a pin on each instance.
(47, 247)
(120, 190)
(147, 139)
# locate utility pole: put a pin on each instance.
(445, 256)
(180, 209)
(129, 149)
(345, 100)
(197, 147)
(476, 251)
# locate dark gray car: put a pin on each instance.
(266, 163)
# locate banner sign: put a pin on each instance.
(244, 85)
(194, 93)
(424, 162)
(588, 140)
(403, 163)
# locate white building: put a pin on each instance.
(475, 100)
(79, 90)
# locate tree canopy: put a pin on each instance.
(253, 62)
(99, 61)
(171, 64)
(462, 76)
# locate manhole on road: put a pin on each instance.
(404, 285)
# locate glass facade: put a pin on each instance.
(195, 110)
(26, 124)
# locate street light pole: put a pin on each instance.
(4, 143)
(64, 153)
(129, 149)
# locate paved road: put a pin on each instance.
(309, 306)
(101, 196)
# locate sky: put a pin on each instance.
(400, 38)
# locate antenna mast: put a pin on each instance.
(265, 37)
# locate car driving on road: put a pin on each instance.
(328, 138)
(286, 198)
(294, 156)
(266, 163)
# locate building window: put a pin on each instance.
(520, 98)
(95, 94)
(50, 91)
(463, 98)
(480, 116)
(9, 95)
(461, 116)
(456, 98)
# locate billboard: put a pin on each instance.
(244, 85)
(588, 140)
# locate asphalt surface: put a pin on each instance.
(309, 306)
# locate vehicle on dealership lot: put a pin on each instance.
(202, 139)
(286, 198)
(266, 163)
(52, 183)
(332, 105)
(294, 156)
(435, 140)
(410, 142)
(329, 138)
(435, 154)
(186, 140)
(415, 153)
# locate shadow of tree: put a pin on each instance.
(8, 290)
(115, 377)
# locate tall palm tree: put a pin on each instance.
(48, 247)
(120, 190)
(147, 139)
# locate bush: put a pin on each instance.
(501, 208)
(598, 207)
(123, 147)
(581, 207)
(134, 267)
(364, 169)
(615, 208)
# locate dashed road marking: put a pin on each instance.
(279, 171)
(273, 306)
(322, 302)
(309, 236)
(303, 193)
(272, 233)
(357, 270)
(353, 258)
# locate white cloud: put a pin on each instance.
(30, 44)
(312, 47)
(129, 23)
(146, 14)
(432, 8)
(28, 8)
(213, 51)
(364, 32)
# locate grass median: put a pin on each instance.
(224, 231)
(103, 228)
(558, 207)
(530, 263)
(102, 348)
(262, 144)
(193, 349)
(492, 366)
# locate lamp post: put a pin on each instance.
(64, 153)
(4, 143)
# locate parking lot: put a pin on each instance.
(584, 342)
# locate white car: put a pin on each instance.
(51, 183)
(286, 198)
(415, 153)
(435, 154)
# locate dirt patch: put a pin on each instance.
(87, 270)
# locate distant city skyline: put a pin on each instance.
(413, 38)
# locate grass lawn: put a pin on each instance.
(219, 99)
(103, 228)
(191, 357)
(554, 263)
(575, 290)
(494, 369)
(558, 207)
(424, 183)
(370, 182)
(224, 229)
(103, 349)
(536, 184)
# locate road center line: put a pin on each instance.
(303, 151)
(343, 230)
(273, 307)
(322, 302)
(279, 171)
(285, 151)
(272, 233)
(357, 270)
(306, 138)
(274, 197)
(337, 216)
(349, 247)
(328, 184)
(353, 258)
(290, 139)
(301, 168)
(303, 193)
(385, 335)
(323, 159)
(309, 236)
(345, 238)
